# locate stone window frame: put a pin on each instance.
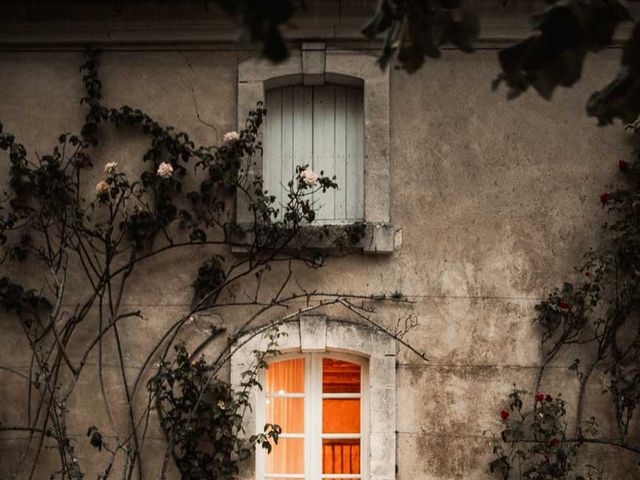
(319, 334)
(313, 64)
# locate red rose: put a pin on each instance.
(539, 397)
(604, 198)
(504, 414)
(554, 442)
(623, 166)
(565, 306)
(548, 398)
(587, 274)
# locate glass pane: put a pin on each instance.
(341, 415)
(340, 456)
(286, 457)
(339, 376)
(286, 412)
(286, 376)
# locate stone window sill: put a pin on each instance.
(367, 237)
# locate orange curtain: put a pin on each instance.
(283, 378)
(286, 376)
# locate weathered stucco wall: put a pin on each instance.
(494, 200)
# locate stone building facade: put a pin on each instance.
(475, 207)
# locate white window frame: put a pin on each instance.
(314, 64)
(318, 334)
(313, 435)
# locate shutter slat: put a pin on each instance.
(286, 167)
(273, 144)
(340, 158)
(359, 139)
(354, 163)
(302, 127)
(323, 146)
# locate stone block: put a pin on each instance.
(382, 371)
(342, 336)
(313, 333)
(382, 454)
(260, 69)
(382, 404)
(379, 239)
(313, 63)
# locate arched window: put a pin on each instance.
(320, 126)
(319, 401)
(333, 392)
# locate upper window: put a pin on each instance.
(320, 126)
(318, 401)
(328, 109)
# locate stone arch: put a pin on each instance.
(317, 333)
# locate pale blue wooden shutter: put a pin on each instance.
(321, 126)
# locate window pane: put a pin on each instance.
(286, 376)
(341, 415)
(340, 456)
(339, 376)
(286, 458)
(286, 412)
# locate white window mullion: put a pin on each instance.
(292, 435)
(341, 395)
(308, 416)
(284, 395)
(340, 436)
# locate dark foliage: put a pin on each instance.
(54, 219)
(621, 97)
(555, 56)
(15, 299)
(417, 29)
(210, 276)
(202, 417)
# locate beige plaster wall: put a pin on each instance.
(493, 199)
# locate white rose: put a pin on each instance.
(110, 167)
(102, 187)
(309, 177)
(221, 405)
(165, 170)
(231, 137)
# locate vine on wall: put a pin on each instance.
(89, 244)
(596, 318)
